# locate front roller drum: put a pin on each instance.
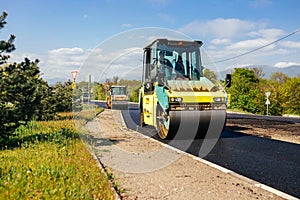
(190, 124)
(163, 124)
(119, 105)
(108, 103)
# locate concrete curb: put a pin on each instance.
(102, 168)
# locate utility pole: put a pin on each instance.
(89, 89)
(268, 101)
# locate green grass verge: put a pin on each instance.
(47, 160)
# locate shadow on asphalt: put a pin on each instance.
(233, 134)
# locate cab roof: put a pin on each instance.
(183, 43)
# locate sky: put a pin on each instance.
(105, 38)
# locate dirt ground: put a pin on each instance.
(284, 131)
(142, 168)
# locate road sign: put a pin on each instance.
(74, 75)
(268, 102)
(268, 94)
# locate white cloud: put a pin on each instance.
(285, 64)
(250, 44)
(66, 57)
(290, 44)
(235, 36)
(104, 64)
(218, 41)
(230, 38)
(66, 51)
(271, 34)
(232, 48)
(221, 28)
(57, 64)
(15, 57)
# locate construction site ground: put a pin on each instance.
(185, 177)
(284, 131)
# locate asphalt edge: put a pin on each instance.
(218, 167)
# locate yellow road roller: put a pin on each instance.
(117, 97)
(175, 97)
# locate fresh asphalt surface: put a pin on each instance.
(271, 162)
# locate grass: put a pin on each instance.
(47, 160)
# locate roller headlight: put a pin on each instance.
(219, 99)
(175, 99)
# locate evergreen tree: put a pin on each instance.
(5, 46)
(20, 96)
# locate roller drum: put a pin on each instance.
(196, 124)
(120, 105)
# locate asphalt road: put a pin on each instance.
(271, 162)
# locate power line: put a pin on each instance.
(294, 32)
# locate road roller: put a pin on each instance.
(175, 97)
(117, 97)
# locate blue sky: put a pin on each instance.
(63, 33)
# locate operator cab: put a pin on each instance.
(172, 60)
(118, 90)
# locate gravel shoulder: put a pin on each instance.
(284, 131)
(142, 168)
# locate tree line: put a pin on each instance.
(248, 90)
(99, 91)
